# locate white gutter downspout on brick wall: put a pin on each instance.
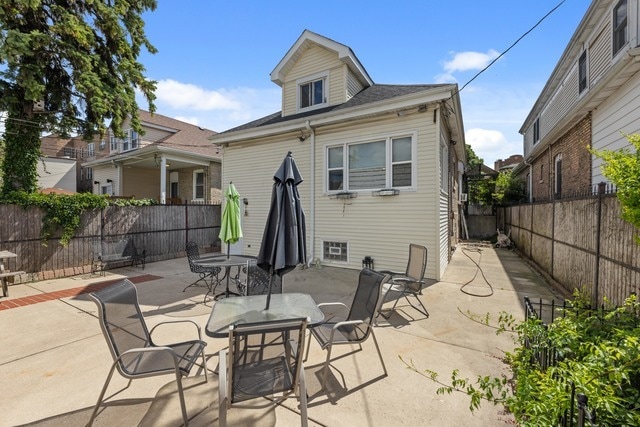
(312, 194)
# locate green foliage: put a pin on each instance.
(79, 59)
(623, 169)
(63, 212)
(473, 161)
(598, 351)
(481, 191)
(508, 189)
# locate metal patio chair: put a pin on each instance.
(356, 327)
(257, 280)
(264, 367)
(409, 283)
(205, 273)
(134, 353)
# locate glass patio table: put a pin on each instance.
(250, 309)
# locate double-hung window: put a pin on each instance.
(134, 139)
(198, 185)
(312, 92)
(373, 165)
(619, 26)
(582, 72)
(113, 146)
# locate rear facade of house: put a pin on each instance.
(382, 164)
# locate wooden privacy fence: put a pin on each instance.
(161, 230)
(580, 243)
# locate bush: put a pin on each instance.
(598, 351)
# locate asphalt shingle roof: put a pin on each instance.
(375, 93)
(190, 138)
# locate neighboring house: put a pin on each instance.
(172, 162)
(382, 164)
(591, 99)
(71, 151)
(508, 164)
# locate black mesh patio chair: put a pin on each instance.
(208, 275)
(134, 353)
(257, 280)
(264, 367)
(409, 283)
(356, 326)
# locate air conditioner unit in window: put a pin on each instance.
(463, 197)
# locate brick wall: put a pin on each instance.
(576, 163)
(576, 160)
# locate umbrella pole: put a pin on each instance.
(228, 249)
(269, 292)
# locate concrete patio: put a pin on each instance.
(54, 359)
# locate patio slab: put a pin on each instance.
(55, 359)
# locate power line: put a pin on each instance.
(509, 48)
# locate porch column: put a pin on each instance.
(163, 180)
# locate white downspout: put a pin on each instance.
(312, 193)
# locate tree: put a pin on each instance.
(508, 188)
(473, 161)
(67, 66)
(623, 169)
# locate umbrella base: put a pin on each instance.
(226, 294)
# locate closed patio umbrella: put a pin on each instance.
(283, 244)
(230, 230)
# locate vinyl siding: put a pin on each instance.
(618, 115)
(381, 227)
(353, 85)
(600, 53)
(315, 60)
(251, 168)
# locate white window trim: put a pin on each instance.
(388, 162)
(325, 89)
(444, 166)
(204, 185)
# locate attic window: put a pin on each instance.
(312, 92)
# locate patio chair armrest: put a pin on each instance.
(347, 322)
(151, 350)
(326, 304)
(333, 304)
(179, 321)
(390, 273)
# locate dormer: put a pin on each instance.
(318, 72)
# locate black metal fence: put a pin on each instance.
(545, 355)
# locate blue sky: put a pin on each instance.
(215, 57)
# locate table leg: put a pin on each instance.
(227, 293)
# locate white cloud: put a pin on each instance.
(219, 109)
(491, 145)
(186, 95)
(465, 61)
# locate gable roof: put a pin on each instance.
(369, 95)
(308, 39)
(184, 136)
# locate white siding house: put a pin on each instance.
(591, 99)
(379, 162)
